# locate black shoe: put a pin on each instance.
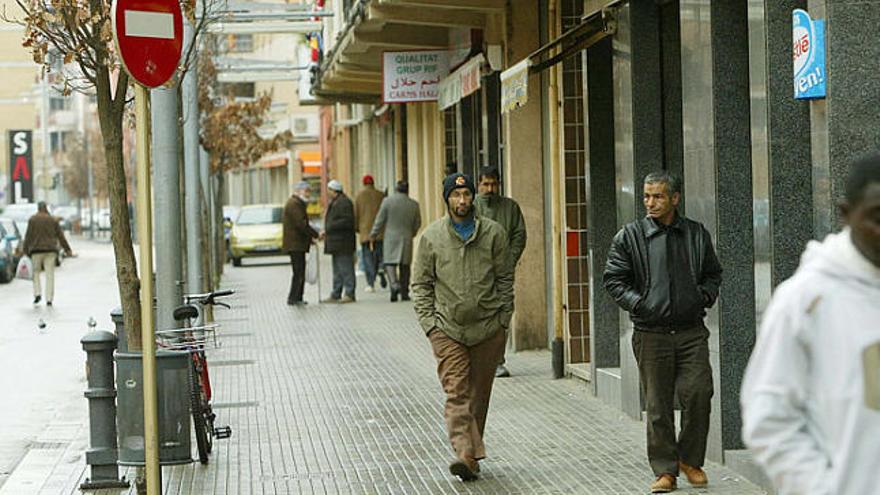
(405, 298)
(382, 281)
(393, 295)
(37, 299)
(48, 303)
(297, 303)
(463, 471)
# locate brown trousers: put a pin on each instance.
(467, 374)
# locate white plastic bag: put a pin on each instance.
(25, 269)
(312, 266)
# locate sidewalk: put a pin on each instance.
(344, 399)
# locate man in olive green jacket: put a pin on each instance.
(507, 212)
(463, 296)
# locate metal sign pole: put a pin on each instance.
(148, 338)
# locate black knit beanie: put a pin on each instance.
(456, 181)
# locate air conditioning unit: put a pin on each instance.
(305, 126)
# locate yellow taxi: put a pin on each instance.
(257, 231)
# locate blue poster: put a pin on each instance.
(808, 55)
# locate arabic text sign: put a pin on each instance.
(808, 55)
(413, 76)
(515, 86)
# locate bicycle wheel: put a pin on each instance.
(203, 436)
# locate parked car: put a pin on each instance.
(19, 214)
(103, 219)
(257, 231)
(7, 256)
(13, 234)
(229, 214)
(67, 216)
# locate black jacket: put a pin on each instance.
(339, 225)
(627, 275)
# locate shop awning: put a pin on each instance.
(593, 28)
(311, 162)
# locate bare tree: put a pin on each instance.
(79, 33)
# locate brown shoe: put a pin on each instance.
(465, 470)
(664, 483)
(695, 476)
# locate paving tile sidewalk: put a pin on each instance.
(334, 399)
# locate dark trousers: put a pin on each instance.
(398, 277)
(372, 260)
(669, 363)
(343, 275)
(298, 280)
(467, 374)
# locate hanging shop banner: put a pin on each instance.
(515, 86)
(463, 82)
(413, 76)
(21, 167)
(808, 53)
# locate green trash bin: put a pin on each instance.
(173, 386)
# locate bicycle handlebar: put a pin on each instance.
(207, 299)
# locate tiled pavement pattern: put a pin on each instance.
(344, 399)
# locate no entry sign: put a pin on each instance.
(149, 37)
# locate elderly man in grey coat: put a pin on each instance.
(401, 218)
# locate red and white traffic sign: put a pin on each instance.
(149, 37)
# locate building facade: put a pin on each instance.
(614, 90)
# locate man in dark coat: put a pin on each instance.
(298, 237)
(662, 269)
(339, 242)
(41, 240)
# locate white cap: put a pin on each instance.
(334, 185)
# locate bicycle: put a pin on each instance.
(194, 338)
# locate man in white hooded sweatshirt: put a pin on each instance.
(811, 393)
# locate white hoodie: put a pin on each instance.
(811, 392)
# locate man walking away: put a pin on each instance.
(463, 288)
(298, 238)
(811, 392)
(41, 240)
(366, 207)
(399, 217)
(507, 212)
(662, 269)
(339, 243)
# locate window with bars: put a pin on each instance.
(451, 134)
(577, 263)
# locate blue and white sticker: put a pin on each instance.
(808, 55)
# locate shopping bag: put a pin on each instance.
(25, 269)
(312, 267)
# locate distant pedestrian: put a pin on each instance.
(811, 392)
(298, 238)
(41, 241)
(463, 288)
(339, 243)
(367, 206)
(400, 219)
(506, 211)
(662, 269)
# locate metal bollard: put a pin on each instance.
(102, 455)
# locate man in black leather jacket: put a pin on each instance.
(662, 269)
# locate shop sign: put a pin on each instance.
(463, 82)
(808, 54)
(21, 166)
(515, 86)
(413, 76)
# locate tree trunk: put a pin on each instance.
(110, 113)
